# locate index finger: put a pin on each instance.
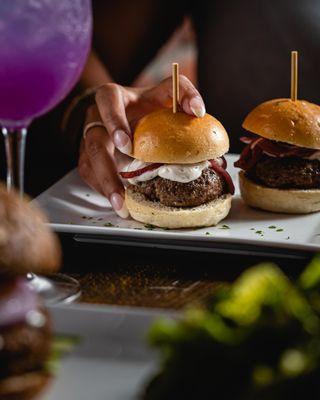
(190, 99)
(111, 105)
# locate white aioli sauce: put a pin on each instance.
(183, 173)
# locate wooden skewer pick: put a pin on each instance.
(175, 87)
(294, 75)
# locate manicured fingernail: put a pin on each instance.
(119, 205)
(122, 142)
(197, 107)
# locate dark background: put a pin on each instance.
(237, 51)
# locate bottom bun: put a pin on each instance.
(28, 386)
(290, 201)
(155, 213)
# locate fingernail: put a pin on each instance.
(122, 142)
(197, 107)
(119, 205)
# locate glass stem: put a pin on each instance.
(15, 143)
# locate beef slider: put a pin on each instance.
(175, 142)
(25, 340)
(25, 344)
(287, 180)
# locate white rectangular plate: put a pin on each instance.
(112, 359)
(73, 207)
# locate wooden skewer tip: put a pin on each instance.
(294, 75)
(175, 87)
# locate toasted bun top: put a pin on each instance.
(26, 243)
(165, 137)
(295, 122)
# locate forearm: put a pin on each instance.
(95, 73)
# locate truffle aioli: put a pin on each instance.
(182, 173)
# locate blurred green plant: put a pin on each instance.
(257, 339)
(61, 346)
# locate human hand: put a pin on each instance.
(104, 150)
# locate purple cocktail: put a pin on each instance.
(43, 48)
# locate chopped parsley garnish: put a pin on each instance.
(272, 227)
(150, 227)
(60, 346)
(224, 227)
(109, 224)
(279, 230)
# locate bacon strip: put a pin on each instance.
(246, 139)
(257, 147)
(249, 157)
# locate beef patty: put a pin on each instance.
(207, 187)
(24, 348)
(285, 173)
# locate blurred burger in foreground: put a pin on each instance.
(178, 177)
(281, 161)
(25, 341)
(26, 244)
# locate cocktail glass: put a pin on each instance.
(43, 48)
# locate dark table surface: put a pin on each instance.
(143, 277)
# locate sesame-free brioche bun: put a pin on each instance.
(155, 213)
(165, 137)
(26, 243)
(283, 120)
(289, 201)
